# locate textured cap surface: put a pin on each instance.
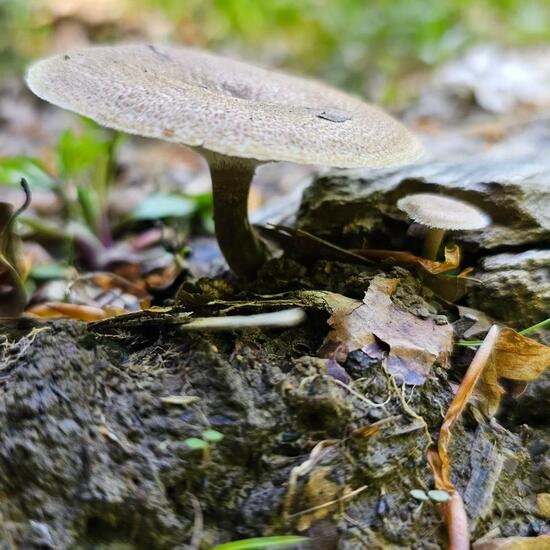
(199, 99)
(443, 212)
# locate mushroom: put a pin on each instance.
(237, 115)
(439, 214)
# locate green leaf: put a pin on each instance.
(12, 169)
(89, 204)
(205, 207)
(76, 153)
(196, 444)
(260, 543)
(439, 496)
(212, 435)
(48, 272)
(163, 205)
(418, 494)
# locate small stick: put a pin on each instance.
(276, 319)
(330, 502)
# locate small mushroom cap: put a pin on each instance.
(199, 99)
(441, 212)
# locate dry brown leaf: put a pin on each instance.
(439, 460)
(542, 542)
(163, 278)
(450, 288)
(13, 269)
(407, 259)
(514, 357)
(304, 245)
(58, 310)
(414, 344)
(504, 353)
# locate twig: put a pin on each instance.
(277, 319)
(314, 456)
(361, 397)
(330, 502)
(406, 407)
(198, 523)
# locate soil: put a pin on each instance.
(92, 457)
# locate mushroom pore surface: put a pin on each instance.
(200, 99)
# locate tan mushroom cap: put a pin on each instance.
(196, 98)
(441, 212)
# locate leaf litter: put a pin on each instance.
(376, 325)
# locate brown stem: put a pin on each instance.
(231, 178)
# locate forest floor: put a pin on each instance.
(134, 432)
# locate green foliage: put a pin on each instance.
(260, 543)
(195, 444)
(85, 160)
(208, 436)
(14, 15)
(162, 205)
(439, 496)
(436, 495)
(48, 272)
(89, 150)
(89, 205)
(419, 494)
(12, 169)
(352, 42)
(212, 436)
(360, 45)
(205, 208)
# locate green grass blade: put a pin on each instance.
(260, 543)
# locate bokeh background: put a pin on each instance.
(379, 48)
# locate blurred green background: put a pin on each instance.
(371, 47)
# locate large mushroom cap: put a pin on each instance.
(443, 212)
(233, 108)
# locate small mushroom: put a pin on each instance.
(439, 214)
(237, 115)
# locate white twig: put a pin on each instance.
(276, 319)
(362, 397)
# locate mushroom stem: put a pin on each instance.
(432, 242)
(231, 178)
